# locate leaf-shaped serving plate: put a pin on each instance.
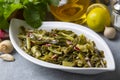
(78, 29)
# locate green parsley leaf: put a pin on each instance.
(32, 15)
(9, 9)
(3, 23)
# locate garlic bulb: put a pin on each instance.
(6, 46)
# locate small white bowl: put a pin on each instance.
(78, 29)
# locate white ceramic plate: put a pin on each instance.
(78, 29)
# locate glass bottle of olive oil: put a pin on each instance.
(72, 11)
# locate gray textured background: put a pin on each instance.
(22, 69)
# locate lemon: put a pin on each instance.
(98, 16)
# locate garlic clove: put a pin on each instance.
(110, 32)
(7, 57)
(6, 46)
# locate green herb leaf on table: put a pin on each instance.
(6, 9)
(3, 23)
(32, 15)
(34, 11)
(9, 9)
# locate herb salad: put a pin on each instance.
(61, 47)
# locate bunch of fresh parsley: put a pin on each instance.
(34, 11)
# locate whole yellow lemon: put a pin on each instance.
(98, 17)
